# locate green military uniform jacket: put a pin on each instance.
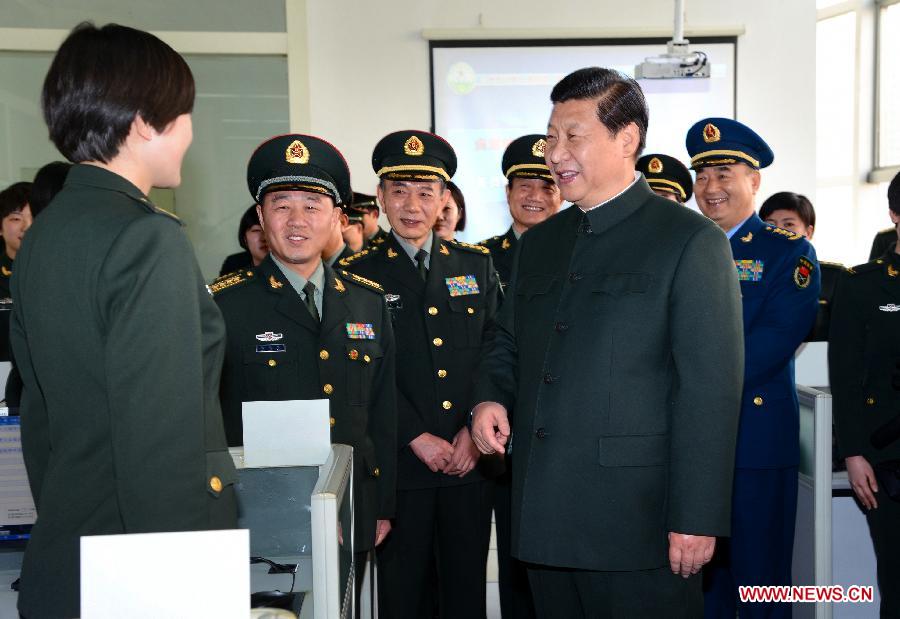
(6, 266)
(120, 347)
(623, 362)
(831, 273)
(883, 242)
(864, 356)
(277, 351)
(439, 326)
(377, 239)
(502, 249)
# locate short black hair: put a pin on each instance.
(457, 195)
(47, 183)
(249, 219)
(893, 194)
(789, 201)
(620, 100)
(101, 79)
(14, 198)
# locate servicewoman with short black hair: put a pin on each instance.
(251, 238)
(119, 343)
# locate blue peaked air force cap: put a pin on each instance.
(722, 141)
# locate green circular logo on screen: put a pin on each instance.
(461, 78)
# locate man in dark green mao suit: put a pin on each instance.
(622, 360)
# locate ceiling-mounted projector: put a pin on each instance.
(678, 61)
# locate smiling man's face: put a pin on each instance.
(412, 207)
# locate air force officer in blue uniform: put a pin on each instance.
(779, 279)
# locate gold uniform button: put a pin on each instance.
(367, 358)
(442, 373)
(470, 310)
(249, 273)
(447, 405)
(758, 401)
(437, 341)
(332, 422)
(215, 483)
(433, 310)
(323, 355)
(870, 401)
(376, 472)
(272, 363)
(328, 389)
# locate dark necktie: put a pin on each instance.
(309, 290)
(420, 264)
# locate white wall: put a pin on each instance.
(369, 66)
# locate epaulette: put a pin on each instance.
(345, 262)
(147, 204)
(836, 265)
(867, 267)
(230, 280)
(362, 281)
(475, 249)
(791, 236)
(489, 241)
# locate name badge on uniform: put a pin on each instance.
(360, 331)
(749, 270)
(890, 307)
(462, 285)
(270, 348)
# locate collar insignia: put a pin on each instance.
(339, 285)
(748, 238)
(391, 253)
(6, 272)
(444, 250)
(505, 244)
(274, 283)
(891, 271)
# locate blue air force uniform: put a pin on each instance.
(780, 280)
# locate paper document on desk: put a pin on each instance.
(286, 433)
(153, 575)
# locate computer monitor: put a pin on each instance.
(17, 512)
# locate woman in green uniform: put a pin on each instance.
(114, 331)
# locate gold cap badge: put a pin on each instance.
(296, 153)
(538, 149)
(655, 166)
(414, 146)
(711, 133)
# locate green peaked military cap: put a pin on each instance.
(298, 162)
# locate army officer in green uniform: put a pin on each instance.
(118, 339)
(864, 370)
(531, 194)
(299, 330)
(442, 296)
